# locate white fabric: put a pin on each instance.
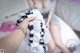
(70, 13)
(67, 33)
(69, 38)
(37, 29)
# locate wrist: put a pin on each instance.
(23, 30)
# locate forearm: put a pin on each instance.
(11, 43)
(49, 17)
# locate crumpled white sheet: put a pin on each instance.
(70, 13)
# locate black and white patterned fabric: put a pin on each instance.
(37, 30)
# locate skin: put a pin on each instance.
(11, 42)
(54, 29)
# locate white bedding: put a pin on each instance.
(69, 12)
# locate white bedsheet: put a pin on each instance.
(69, 12)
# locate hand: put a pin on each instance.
(24, 24)
(47, 25)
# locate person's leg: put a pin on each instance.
(55, 32)
(51, 46)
